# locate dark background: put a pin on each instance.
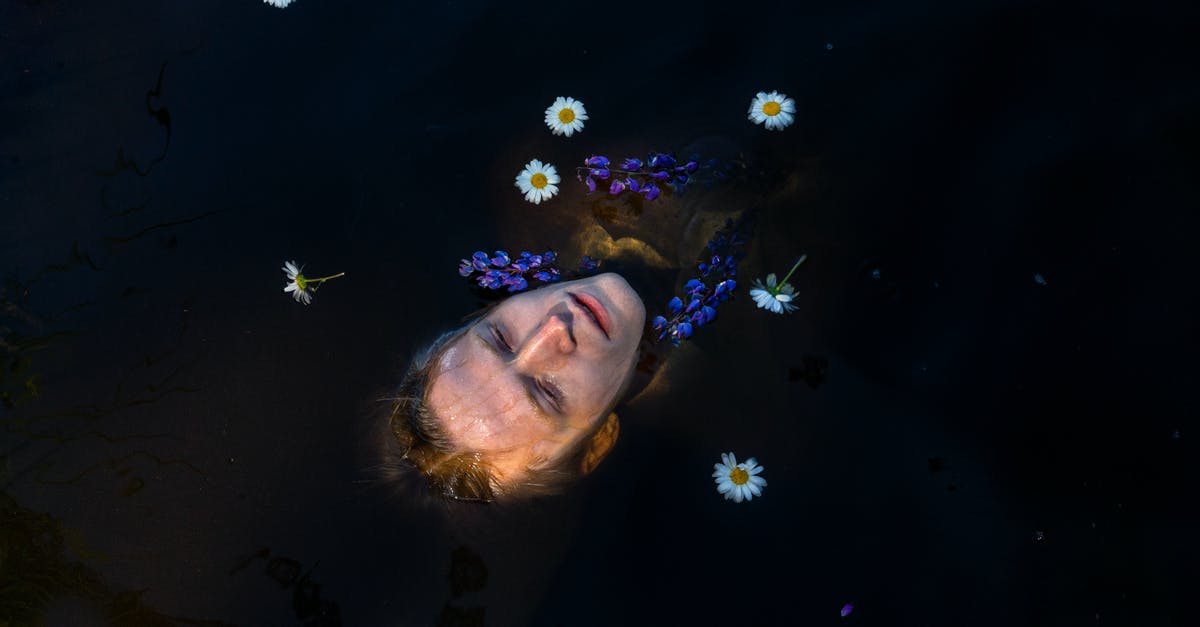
(201, 443)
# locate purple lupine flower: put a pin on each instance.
(684, 330)
(631, 164)
(587, 264)
(674, 305)
(591, 184)
(682, 179)
(480, 260)
(616, 188)
(633, 184)
(691, 166)
(846, 609)
(694, 286)
(535, 261)
(549, 257)
(658, 323)
(693, 306)
(599, 173)
(650, 190)
(661, 175)
(596, 161)
(518, 284)
(500, 259)
(465, 268)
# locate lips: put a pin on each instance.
(598, 313)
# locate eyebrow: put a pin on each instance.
(527, 383)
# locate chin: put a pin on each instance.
(622, 298)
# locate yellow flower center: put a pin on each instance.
(739, 476)
(538, 180)
(566, 116)
(301, 282)
(771, 108)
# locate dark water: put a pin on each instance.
(185, 443)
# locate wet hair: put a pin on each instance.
(465, 475)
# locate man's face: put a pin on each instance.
(530, 379)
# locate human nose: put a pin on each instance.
(546, 349)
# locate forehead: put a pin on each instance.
(470, 380)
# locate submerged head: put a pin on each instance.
(520, 400)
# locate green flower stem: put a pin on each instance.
(325, 278)
(796, 265)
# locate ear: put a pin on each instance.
(600, 444)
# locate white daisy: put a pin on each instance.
(739, 482)
(777, 298)
(565, 116)
(774, 296)
(538, 181)
(774, 110)
(301, 286)
(278, 3)
(297, 284)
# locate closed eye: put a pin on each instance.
(552, 393)
(501, 341)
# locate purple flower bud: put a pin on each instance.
(691, 166)
(659, 323)
(697, 319)
(597, 161)
(709, 313)
(591, 183)
(661, 175)
(522, 265)
(548, 257)
(703, 268)
(694, 286)
(682, 179)
(684, 330)
(544, 276)
(519, 284)
(633, 184)
(480, 255)
(501, 259)
(616, 188)
(535, 261)
(722, 288)
(692, 306)
(479, 265)
(599, 173)
(651, 191)
(653, 160)
(631, 164)
(465, 268)
(666, 161)
(587, 264)
(674, 305)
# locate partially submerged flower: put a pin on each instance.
(776, 296)
(773, 110)
(565, 116)
(740, 482)
(300, 286)
(538, 181)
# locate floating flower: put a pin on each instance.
(278, 3)
(501, 270)
(846, 609)
(565, 116)
(538, 181)
(300, 286)
(739, 482)
(776, 297)
(773, 110)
